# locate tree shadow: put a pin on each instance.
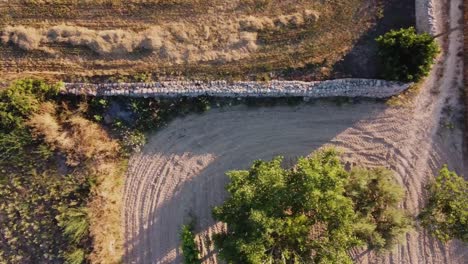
(362, 60)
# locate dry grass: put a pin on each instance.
(80, 139)
(105, 212)
(86, 143)
(406, 98)
(211, 39)
(177, 42)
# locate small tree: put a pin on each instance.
(446, 213)
(405, 55)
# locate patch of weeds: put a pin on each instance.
(406, 98)
(142, 77)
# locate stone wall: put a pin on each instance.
(340, 87)
(425, 17)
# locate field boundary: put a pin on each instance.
(371, 88)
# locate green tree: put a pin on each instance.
(307, 214)
(189, 246)
(376, 197)
(446, 213)
(406, 55)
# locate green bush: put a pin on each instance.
(21, 99)
(74, 222)
(132, 140)
(405, 55)
(313, 213)
(76, 256)
(189, 246)
(17, 103)
(446, 213)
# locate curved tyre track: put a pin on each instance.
(181, 170)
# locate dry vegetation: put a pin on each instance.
(74, 135)
(175, 43)
(86, 143)
(242, 38)
(106, 213)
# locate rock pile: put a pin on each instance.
(340, 87)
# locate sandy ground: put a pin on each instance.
(181, 170)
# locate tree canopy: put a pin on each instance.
(446, 213)
(312, 213)
(406, 55)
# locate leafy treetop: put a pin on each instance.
(405, 55)
(313, 213)
(446, 213)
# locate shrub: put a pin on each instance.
(77, 256)
(17, 103)
(75, 223)
(189, 246)
(313, 213)
(446, 212)
(21, 99)
(405, 55)
(132, 140)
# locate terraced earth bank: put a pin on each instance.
(180, 173)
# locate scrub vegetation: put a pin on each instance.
(446, 213)
(189, 246)
(56, 169)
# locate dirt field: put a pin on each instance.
(240, 39)
(180, 172)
